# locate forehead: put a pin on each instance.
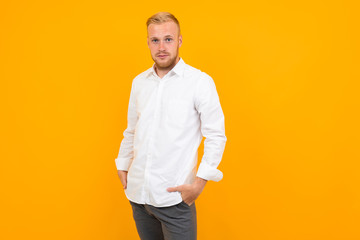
(163, 29)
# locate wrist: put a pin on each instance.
(199, 183)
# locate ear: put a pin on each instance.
(148, 41)
(180, 40)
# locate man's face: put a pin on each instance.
(164, 42)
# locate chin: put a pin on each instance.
(163, 64)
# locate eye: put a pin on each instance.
(154, 40)
(169, 39)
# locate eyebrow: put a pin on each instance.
(164, 36)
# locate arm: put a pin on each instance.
(126, 152)
(213, 128)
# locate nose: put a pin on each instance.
(161, 46)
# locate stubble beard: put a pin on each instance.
(168, 64)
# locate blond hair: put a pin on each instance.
(162, 17)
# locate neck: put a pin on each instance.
(161, 72)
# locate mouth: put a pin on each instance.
(162, 56)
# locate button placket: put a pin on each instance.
(154, 124)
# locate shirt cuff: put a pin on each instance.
(208, 172)
(122, 163)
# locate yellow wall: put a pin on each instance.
(288, 78)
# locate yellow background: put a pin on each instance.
(287, 73)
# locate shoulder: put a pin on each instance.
(198, 76)
(141, 76)
(203, 83)
(203, 80)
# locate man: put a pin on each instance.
(172, 106)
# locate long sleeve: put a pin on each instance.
(126, 152)
(212, 128)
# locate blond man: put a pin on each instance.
(172, 107)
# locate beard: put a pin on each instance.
(168, 63)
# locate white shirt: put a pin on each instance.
(167, 119)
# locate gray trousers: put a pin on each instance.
(176, 222)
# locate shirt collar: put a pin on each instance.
(177, 69)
